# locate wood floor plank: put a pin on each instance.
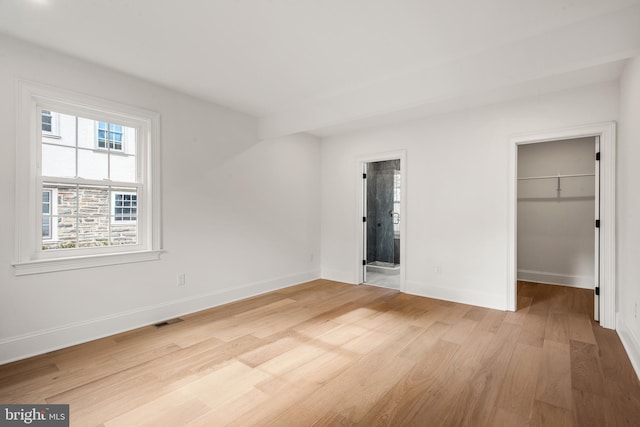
(580, 328)
(460, 331)
(557, 328)
(615, 365)
(625, 402)
(586, 373)
(169, 410)
(591, 409)
(401, 402)
(534, 329)
(547, 415)
(492, 321)
(445, 401)
(485, 383)
(326, 353)
(502, 417)
(519, 386)
(367, 380)
(518, 317)
(554, 381)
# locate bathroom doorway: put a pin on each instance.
(382, 217)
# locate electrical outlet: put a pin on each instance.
(181, 279)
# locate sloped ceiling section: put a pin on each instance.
(324, 66)
(585, 52)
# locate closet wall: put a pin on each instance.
(556, 216)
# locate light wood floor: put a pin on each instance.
(325, 353)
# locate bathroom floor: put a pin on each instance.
(385, 280)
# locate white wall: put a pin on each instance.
(240, 216)
(556, 229)
(457, 190)
(628, 220)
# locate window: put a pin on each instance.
(396, 202)
(47, 121)
(125, 207)
(110, 136)
(50, 123)
(46, 214)
(86, 207)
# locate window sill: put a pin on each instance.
(113, 152)
(89, 261)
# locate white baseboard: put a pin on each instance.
(23, 346)
(583, 282)
(630, 342)
(338, 276)
(463, 296)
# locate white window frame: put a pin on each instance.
(29, 257)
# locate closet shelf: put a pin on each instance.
(575, 175)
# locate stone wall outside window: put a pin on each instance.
(93, 221)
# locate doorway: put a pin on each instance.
(381, 222)
(558, 212)
(605, 259)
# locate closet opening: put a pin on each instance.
(558, 215)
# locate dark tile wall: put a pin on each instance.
(380, 236)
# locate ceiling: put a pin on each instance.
(326, 66)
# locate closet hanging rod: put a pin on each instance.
(557, 176)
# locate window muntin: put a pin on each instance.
(84, 180)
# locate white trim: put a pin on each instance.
(607, 280)
(360, 198)
(87, 261)
(630, 342)
(32, 96)
(549, 278)
(454, 294)
(340, 276)
(23, 346)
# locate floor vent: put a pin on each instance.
(168, 322)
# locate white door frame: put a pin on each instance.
(360, 199)
(607, 274)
